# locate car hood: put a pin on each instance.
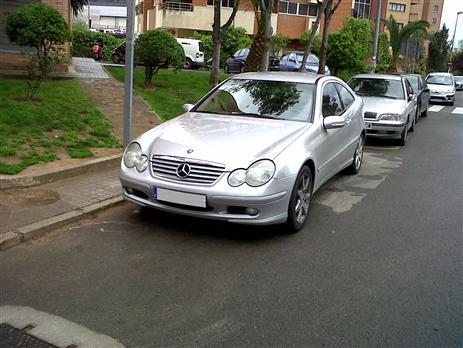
(231, 140)
(383, 105)
(440, 88)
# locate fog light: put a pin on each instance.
(252, 211)
(129, 190)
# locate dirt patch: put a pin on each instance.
(108, 96)
(28, 198)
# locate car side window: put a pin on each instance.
(292, 57)
(331, 103)
(408, 87)
(244, 52)
(346, 98)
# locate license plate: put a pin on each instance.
(179, 197)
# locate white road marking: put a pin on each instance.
(458, 110)
(53, 329)
(436, 108)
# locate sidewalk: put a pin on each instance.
(45, 198)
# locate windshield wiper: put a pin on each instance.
(253, 114)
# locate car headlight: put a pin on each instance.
(389, 117)
(133, 157)
(258, 174)
(237, 177)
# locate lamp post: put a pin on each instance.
(375, 40)
(453, 40)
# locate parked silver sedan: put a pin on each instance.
(252, 151)
(390, 109)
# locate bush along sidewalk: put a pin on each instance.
(61, 117)
(83, 40)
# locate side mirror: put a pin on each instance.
(334, 122)
(411, 96)
(292, 60)
(187, 107)
(426, 90)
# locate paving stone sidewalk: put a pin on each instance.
(39, 208)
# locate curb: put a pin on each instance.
(20, 181)
(38, 229)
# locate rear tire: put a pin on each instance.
(242, 69)
(299, 204)
(188, 64)
(424, 113)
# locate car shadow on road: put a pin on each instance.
(211, 228)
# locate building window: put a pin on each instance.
(361, 9)
(396, 7)
(434, 21)
(297, 9)
(224, 3)
(436, 8)
(400, 25)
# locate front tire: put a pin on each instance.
(299, 204)
(226, 69)
(357, 160)
(412, 128)
(404, 138)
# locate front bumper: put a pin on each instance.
(386, 130)
(445, 98)
(223, 202)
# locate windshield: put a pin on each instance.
(310, 59)
(414, 82)
(262, 99)
(458, 78)
(378, 88)
(439, 80)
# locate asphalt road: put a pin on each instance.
(379, 263)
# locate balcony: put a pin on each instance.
(177, 6)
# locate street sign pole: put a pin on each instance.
(128, 89)
(375, 41)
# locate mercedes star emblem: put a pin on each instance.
(189, 150)
(183, 170)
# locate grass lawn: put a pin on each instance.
(61, 118)
(170, 89)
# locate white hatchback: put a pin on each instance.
(442, 87)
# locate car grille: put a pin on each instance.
(369, 115)
(201, 172)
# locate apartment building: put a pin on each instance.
(183, 17)
(290, 17)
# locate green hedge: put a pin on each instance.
(83, 41)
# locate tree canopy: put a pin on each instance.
(438, 50)
(157, 48)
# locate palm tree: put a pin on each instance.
(78, 5)
(398, 35)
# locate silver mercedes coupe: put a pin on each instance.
(252, 151)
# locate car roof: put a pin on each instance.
(440, 74)
(280, 76)
(379, 76)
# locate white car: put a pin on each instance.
(252, 151)
(442, 87)
(194, 52)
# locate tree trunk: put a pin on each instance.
(214, 78)
(257, 59)
(313, 33)
(218, 34)
(326, 29)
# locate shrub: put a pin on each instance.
(316, 45)
(157, 48)
(280, 42)
(83, 40)
(42, 27)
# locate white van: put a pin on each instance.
(194, 52)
